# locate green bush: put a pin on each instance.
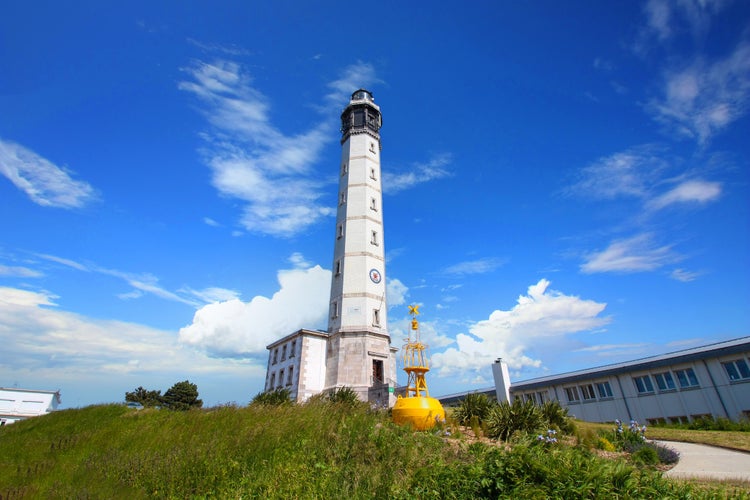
(474, 406)
(506, 419)
(272, 398)
(557, 417)
(646, 455)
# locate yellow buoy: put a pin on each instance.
(417, 408)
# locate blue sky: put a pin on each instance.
(566, 184)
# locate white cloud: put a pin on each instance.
(625, 174)
(684, 275)
(44, 182)
(19, 272)
(211, 294)
(235, 328)
(692, 191)
(635, 254)
(478, 266)
(251, 160)
(704, 97)
(539, 315)
(396, 292)
(210, 222)
(55, 348)
(418, 174)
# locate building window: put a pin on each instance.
(339, 231)
(541, 397)
(587, 391)
(342, 198)
(372, 174)
(373, 204)
(283, 353)
(374, 238)
(294, 348)
(338, 267)
(377, 371)
(643, 384)
(687, 378)
(281, 378)
(376, 317)
(737, 370)
(272, 382)
(344, 169)
(664, 381)
(334, 309)
(290, 376)
(275, 356)
(372, 147)
(604, 389)
(572, 394)
(682, 419)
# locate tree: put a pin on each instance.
(145, 397)
(182, 396)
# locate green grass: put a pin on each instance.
(735, 440)
(288, 451)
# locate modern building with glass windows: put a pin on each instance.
(712, 380)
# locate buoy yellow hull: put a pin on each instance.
(419, 411)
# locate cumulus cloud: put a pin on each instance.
(419, 173)
(234, 328)
(41, 342)
(396, 292)
(539, 315)
(636, 254)
(44, 182)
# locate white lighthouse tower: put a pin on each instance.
(356, 350)
(359, 347)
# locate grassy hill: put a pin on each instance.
(312, 451)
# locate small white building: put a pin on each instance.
(678, 387)
(20, 404)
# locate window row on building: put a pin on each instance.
(275, 383)
(589, 392)
(290, 348)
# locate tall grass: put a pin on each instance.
(289, 451)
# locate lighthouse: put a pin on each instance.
(355, 351)
(359, 346)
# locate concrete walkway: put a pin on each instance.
(708, 462)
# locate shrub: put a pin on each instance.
(605, 444)
(276, 397)
(646, 454)
(473, 405)
(666, 455)
(343, 395)
(507, 418)
(557, 417)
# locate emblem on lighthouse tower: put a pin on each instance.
(375, 276)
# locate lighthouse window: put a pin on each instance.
(372, 174)
(377, 371)
(376, 317)
(344, 169)
(290, 376)
(374, 238)
(372, 147)
(340, 231)
(359, 117)
(293, 349)
(338, 267)
(342, 198)
(281, 377)
(373, 204)
(334, 310)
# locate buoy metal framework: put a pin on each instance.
(417, 408)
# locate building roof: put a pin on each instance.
(728, 347)
(299, 333)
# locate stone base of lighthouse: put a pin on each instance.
(374, 380)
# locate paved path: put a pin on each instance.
(710, 462)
